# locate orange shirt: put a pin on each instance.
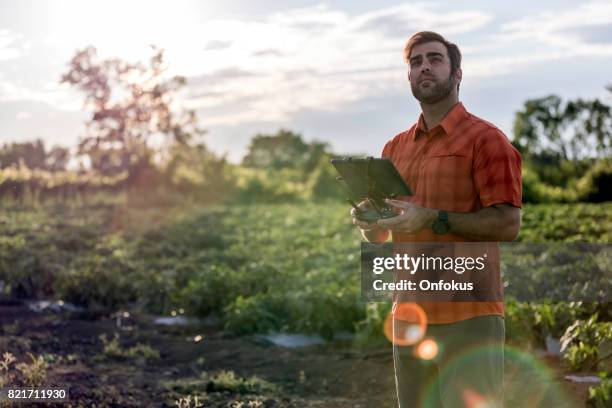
(462, 165)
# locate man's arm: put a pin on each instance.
(499, 222)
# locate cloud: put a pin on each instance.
(59, 96)
(221, 75)
(321, 58)
(23, 115)
(579, 30)
(269, 52)
(314, 58)
(403, 20)
(265, 68)
(12, 45)
(595, 34)
(22, 120)
(550, 36)
(217, 45)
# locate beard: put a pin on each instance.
(434, 93)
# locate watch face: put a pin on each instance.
(440, 227)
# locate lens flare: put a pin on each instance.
(427, 349)
(406, 324)
(473, 399)
(528, 382)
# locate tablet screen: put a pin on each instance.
(370, 177)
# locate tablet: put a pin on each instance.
(371, 177)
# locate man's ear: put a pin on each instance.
(459, 75)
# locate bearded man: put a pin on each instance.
(466, 179)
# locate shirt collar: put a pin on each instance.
(450, 122)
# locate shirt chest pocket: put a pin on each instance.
(449, 180)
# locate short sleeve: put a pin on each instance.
(497, 170)
(388, 149)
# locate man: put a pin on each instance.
(466, 179)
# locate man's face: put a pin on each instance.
(429, 72)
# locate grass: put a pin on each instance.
(112, 349)
(222, 381)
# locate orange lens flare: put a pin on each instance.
(473, 399)
(406, 324)
(427, 349)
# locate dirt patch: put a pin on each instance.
(222, 371)
(147, 365)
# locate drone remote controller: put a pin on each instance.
(374, 213)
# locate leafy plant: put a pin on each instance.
(229, 381)
(6, 376)
(113, 349)
(222, 381)
(190, 401)
(34, 373)
(258, 268)
(600, 396)
(587, 344)
(370, 330)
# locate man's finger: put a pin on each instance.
(398, 203)
(390, 222)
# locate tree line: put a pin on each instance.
(137, 141)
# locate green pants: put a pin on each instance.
(468, 368)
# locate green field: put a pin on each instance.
(262, 268)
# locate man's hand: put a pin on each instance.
(363, 225)
(370, 231)
(412, 218)
(499, 222)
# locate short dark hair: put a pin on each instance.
(423, 37)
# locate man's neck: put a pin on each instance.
(433, 114)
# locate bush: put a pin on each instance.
(529, 324)
(536, 191)
(370, 331)
(587, 344)
(101, 278)
(268, 186)
(600, 396)
(323, 183)
(578, 222)
(594, 186)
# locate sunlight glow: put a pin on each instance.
(473, 399)
(406, 324)
(427, 349)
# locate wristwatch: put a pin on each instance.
(441, 224)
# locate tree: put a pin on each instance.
(573, 130)
(285, 149)
(34, 155)
(57, 159)
(29, 154)
(130, 105)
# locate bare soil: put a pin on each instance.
(332, 375)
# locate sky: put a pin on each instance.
(331, 71)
